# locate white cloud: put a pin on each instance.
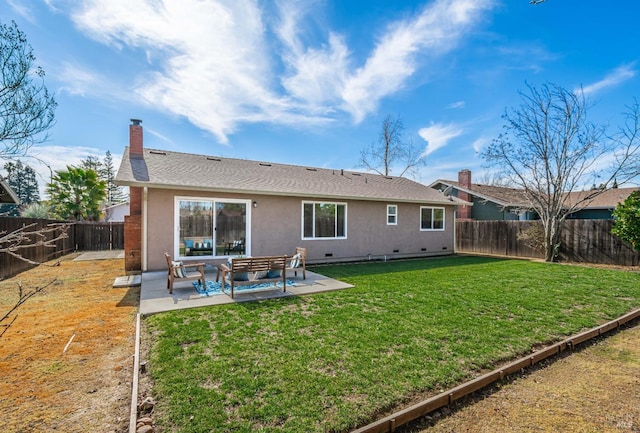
(480, 143)
(47, 159)
(215, 62)
(21, 9)
(80, 81)
(438, 135)
(613, 78)
(438, 29)
(457, 104)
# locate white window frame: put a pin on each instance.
(346, 211)
(214, 200)
(431, 229)
(394, 215)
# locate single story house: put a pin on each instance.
(492, 203)
(199, 207)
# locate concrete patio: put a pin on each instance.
(155, 297)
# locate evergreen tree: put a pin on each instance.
(22, 180)
(77, 194)
(93, 163)
(114, 192)
(107, 173)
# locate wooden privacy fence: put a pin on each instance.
(81, 236)
(587, 241)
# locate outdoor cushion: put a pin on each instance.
(295, 261)
(274, 273)
(178, 270)
(260, 275)
(241, 276)
(188, 243)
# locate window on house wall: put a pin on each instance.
(324, 220)
(392, 214)
(431, 218)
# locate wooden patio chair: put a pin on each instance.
(298, 261)
(179, 271)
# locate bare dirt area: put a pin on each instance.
(88, 386)
(596, 389)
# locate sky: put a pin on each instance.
(309, 82)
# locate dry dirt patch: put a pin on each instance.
(596, 389)
(88, 387)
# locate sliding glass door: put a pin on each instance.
(212, 227)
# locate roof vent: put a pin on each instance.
(312, 169)
(265, 164)
(209, 158)
(157, 152)
(356, 174)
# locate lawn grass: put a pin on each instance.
(333, 361)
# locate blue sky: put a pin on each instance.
(309, 82)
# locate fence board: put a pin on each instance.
(586, 241)
(81, 237)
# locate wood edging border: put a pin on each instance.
(397, 419)
(133, 415)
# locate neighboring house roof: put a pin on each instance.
(511, 197)
(175, 170)
(7, 195)
(507, 197)
(608, 199)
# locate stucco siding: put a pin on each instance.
(276, 228)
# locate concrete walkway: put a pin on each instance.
(155, 297)
(101, 255)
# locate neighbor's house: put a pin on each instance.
(115, 212)
(7, 195)
(489, 202)
(199, 207)
(501, 203)
(601, 206)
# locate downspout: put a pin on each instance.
(455, 240)
(144, 229)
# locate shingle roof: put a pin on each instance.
(510, 197)
(175, 170)
(607, 200)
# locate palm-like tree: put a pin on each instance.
(77, 194)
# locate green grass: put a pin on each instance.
(333, 361)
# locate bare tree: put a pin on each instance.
(552, 152)
(390, 152)
(26, 113)
(26, 107)
(13, 243)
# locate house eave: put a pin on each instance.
(6, 189)
(312, 195)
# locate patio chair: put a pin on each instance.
(235, 247)
(298, 260)
(179, 271)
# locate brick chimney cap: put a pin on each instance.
(136, 122)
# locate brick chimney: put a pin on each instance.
(133, 221)
(135, 137)
(464, 179)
